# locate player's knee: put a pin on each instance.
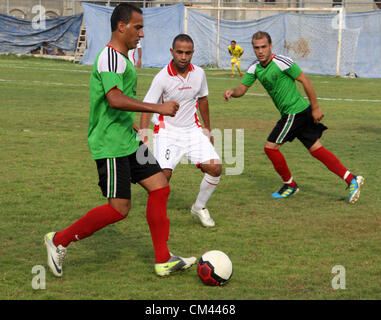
(124, 210)
(271, 146)
(123, 207)
(214, 170)
(168, 174)
(217, 170)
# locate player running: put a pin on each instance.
(300, 119)
(183, 135)
(236, 53)
(114, 147)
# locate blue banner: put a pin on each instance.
(311, 40)
(22, 36)
(161, 25)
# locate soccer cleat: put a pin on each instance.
(285, 192)
(354, 189)
(56, 255)
(204, 216)
(173, 264)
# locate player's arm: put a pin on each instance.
(117, 100)
(317, 113)
(153, 95)
(236, 92)
(135, 127)
(139, 62)
(203, 106)
(145, 119)
(144, 123)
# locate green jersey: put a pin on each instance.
(278, 78)
(110, 133)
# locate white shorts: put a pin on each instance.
(171, 145)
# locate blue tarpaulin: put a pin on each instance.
(22, 36)
(311, 40)
(161, 25)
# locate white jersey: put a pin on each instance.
(131, 53)
(170, 86)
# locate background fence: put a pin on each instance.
(309, 39)
(321, 43)
(55, 8)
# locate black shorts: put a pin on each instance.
(116, 174)
(300, 125)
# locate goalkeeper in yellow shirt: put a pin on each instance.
(236, 52)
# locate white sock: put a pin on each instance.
(207, 187)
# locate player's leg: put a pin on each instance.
(279, 162)
(238, 64)
(330, 161)
(232, 61)
(354, 183)
(212, 173)
(168, 174)
(94, 220)
(280, 165)
(202, 153)
(156, 213)
(310, 137)
(114, 182)
(150, 177)
(284, 130)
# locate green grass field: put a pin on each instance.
(280, 249)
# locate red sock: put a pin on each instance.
(332, 163)
(158, 222)
(280, 166)
(91, 222)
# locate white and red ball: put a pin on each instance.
(214, 268)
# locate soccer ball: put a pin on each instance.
(215, 268)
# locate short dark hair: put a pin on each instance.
(260, 35)
(233, 41)
(182, 37)
(122, 12)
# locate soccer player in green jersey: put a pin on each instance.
(299, 118)
(120, 157)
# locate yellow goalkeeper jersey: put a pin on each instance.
(236, 52)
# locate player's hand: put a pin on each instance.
(228, 94)
(208, 133)
(143, 135)
(317, 114)
(169, 108)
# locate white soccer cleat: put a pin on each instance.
(204, 216)
(56, 255)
